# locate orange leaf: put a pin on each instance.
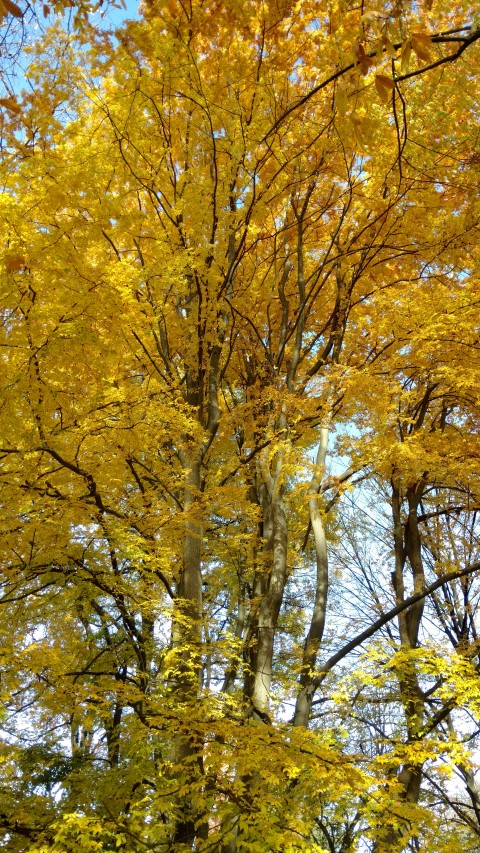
(10, 104)
(15, 263)
(361, 57)
(12, 8)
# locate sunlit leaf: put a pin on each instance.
(384, 86)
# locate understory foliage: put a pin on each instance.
(239, 432)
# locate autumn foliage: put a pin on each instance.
(239, 425)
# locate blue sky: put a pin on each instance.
(13, 77)
(116, 17)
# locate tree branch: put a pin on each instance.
(436, 38)
(387, 617)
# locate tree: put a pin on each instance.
(233, 239)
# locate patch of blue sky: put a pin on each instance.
(109, 18)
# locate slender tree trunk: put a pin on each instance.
(407, 546)
(269, 609)
(304, 700)
(187, 645)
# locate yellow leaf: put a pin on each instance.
(384, 86)
(389, 48)
(419, 42)
(422, 37)
(405, 54)
(358, 131)
(341, 100)
(370, 16)
(378, 47)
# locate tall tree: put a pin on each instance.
(239, 281)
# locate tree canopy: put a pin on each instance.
(239, 422)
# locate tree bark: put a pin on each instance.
(305, 696)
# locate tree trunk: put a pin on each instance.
(187, 661)
(304, 700)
